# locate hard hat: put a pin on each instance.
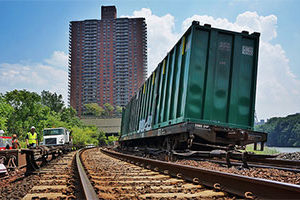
(1, 131)
(32, 127)
(14, 136)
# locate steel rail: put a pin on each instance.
(268, 161)
(243, 186)
(293, 164)
(87, 187)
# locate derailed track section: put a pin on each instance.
(242, 186)
(115, 179)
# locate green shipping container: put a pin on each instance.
(208, 77)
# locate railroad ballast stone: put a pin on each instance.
(265, 173)
(116, 179)
(48, 180)
(289, 156)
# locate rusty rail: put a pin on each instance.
(287, 165)
(87, 187)
(292, 164)
(243, 186)
(245, 159)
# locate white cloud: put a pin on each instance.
(278, 92)
(36, 76)
(249, 21)
(161, 35)
(58, 59)
(278, 89)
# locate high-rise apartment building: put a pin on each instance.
(108, 59)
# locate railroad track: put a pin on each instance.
(130, 180)
(287, 165)
(56, 180)
(107, 174)
(251, 161)
(115, 179)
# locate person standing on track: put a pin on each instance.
(31, 138)
(15, 142)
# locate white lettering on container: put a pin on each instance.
(247, 50)
(224, 46)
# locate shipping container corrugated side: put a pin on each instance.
(208, 77)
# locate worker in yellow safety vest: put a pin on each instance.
(31, 138)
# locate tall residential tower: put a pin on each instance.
(107, 59)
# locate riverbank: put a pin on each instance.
(286, 149)
(274, 150)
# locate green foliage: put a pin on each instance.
(84, 136)
(20, 99)
(283, 131)
(108, 109)
(111, 139)
(88, 135)
(267, 150)
(27, 111)
(53, 101)
(118, 109)
(5, 111)
(94, 109)
(68, 115)
(101, 139)
(21, 109)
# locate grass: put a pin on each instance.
(267, 150)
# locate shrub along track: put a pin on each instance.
(116, 179)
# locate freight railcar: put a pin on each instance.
(202, 95)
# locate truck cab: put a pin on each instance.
(56, 136)
(5, 142)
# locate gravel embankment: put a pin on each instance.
(116, 179)
(271, 174)
(289, 156)
(18, 188)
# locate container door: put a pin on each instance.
(218, 78)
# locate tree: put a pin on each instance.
(283, 131)
(21, 109)
(27, 110)
(85, 135)
(108, 109)
(53, 101)
(20, 99)
(101, 138)
(69, 116)
(94, 109)
(118, 110)
(5, 111)
(112, 139)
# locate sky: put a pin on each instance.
(34, 37)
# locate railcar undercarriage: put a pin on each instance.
(197, 137)
(196, 140)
